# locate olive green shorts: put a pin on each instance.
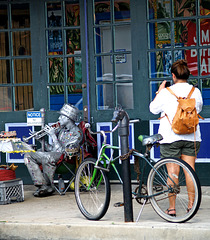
(176, 149)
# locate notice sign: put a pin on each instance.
(34, 118)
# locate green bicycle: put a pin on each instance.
(92, 186)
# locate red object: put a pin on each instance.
(87, 139)
(7, 174)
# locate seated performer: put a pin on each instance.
(67, 136)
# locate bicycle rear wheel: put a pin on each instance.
(92, 199)
(176, 190)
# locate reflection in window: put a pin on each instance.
(160, 63)
(123, 67)
(160, 34)
(122, 38)
(56, 94)
(103, 39)
(184, 8)
(204, 7)
(193, 82)
(114, 68)
(72, 13)
(105, 99)
(192, 61)
(5, 99)
(23, 98)
(21, 43)
(102, 11)
(73, 40)
(104, 68)
(20, 15)
(184, 37)
(204, 61)
(20, 73)
(159, 9)
(125, 95)
(56, 74)
(74, 68)
(122, 10)
(55, 43)
(4, 71)
(75, 96)
(54, 14)
(205, 32)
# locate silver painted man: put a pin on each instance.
(68, 136)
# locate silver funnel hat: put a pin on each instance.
(70, 111)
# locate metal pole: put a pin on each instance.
(122, 116)
(42, 110)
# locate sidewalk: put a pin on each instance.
(58, 218)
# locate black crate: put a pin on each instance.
(11, 191)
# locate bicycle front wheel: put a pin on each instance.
(174, 181)
(92, 190)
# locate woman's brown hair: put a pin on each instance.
(180, 69)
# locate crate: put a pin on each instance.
(11, 191)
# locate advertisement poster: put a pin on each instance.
(192, 56)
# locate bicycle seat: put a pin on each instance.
(151, 139)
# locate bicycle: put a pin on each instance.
(92, 186)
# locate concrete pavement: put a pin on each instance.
(58, 218)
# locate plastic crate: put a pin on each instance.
(11, 191)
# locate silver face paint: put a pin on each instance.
(67, 137)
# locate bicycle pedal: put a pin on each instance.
(103, 169)
(119, 204)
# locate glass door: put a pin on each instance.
(64, 53)
(111, 58)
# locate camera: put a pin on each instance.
(168, 84)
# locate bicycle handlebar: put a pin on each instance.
(87, 125)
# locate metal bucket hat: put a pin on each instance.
(70, 111)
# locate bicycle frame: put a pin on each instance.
(148, 161)
(104, 158)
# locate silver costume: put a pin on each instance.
(67, 138)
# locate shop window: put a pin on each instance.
(64, 40)
(179, 41)
(15, 57)
(6, 97)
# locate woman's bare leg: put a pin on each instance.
(173, 172)
(190, 188)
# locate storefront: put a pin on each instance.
(98, 55)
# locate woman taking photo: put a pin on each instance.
(185, 146)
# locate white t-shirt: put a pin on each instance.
(167, 103)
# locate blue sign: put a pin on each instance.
(34, 118)
(204, 153)
(34, 115)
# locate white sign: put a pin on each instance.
(34, 118)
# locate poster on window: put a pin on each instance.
(191, 56)
(55, 41)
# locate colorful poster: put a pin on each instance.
(191, 55)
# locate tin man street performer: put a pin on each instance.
(67, 137)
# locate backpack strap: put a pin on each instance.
(188, 96)
(191, 92)
(171, 92)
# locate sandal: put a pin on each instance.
(189, 209)
(168, 211)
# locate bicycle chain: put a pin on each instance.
(126, 155)
(136, 162)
